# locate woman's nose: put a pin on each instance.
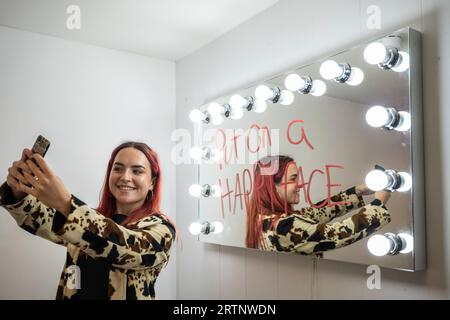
(126, 175)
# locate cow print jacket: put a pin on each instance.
(310, 231)
(134, 255)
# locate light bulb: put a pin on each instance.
(375, 53)
(405, 121)
(195, 228)
(216, 119)
(377, 180)
(237, 102)
(330, 70)
(263, 93)
(216, 191)
(196, 153)
(408, 241)
(379, 245)
(403, 64)
(407, 182)
(287, 97)
(356, 77)
(195, 190)
(197, 116)
(237, 113)
(377, 116)
(319, 88)
(215, 109)
(217, 227)
(294, 82)
(260, 106)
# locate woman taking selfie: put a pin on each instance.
(113, 252)
(273, 224)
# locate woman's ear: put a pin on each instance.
(152, 184)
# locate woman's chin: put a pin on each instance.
(125, 198)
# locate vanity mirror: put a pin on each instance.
(346, 120)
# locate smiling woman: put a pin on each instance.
(118, 250)
(273, 224)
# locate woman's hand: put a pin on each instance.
(15, 175)
(42, 183)
(383, 196)
(363, 190)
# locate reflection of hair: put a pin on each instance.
(107, 205)
(265, 199)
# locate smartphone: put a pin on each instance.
(41, 146)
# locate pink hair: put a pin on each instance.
(265, 199)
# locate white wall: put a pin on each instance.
(289, 34)
(86, 100)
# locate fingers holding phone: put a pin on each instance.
(20, 176)
(16, 176)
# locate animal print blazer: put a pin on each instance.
(309, 231)
(133, 255)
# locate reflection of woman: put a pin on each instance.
(273, 225)
(114, 252)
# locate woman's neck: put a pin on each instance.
(126, 209)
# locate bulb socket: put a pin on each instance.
(308, 85)
(276, 95)
(206, 190)
(346, 73)
(391, 60)
(397, 243)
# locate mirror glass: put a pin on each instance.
(329, 132)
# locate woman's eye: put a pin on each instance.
(138, 172)
(116, 169)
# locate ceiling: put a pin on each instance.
(165, 29)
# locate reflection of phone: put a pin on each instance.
(41, 146)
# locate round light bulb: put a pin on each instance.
(319, 88)
(405, 121)
(377, 180)
(263, 92)
(379, 245)
(294, 82)
(196, 153)
(236, 113)
(195, 190)
(217, 227)
(408, 241)
(375, 53)
(403, 64)
(215, 109)
(260, 106)
(407, 182)
(216, 119)
(195, 228)
(377, 116)
(356, 77)
(237, 102)
(216, 191)
(196, 116)
(287, 97)
(330, 70)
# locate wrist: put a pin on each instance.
(64, 207)
(18, 195)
